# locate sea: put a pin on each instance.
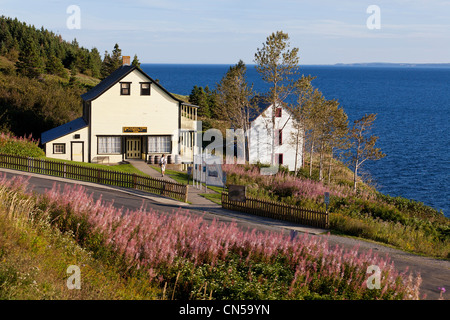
(413, 117)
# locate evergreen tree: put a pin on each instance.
(30, 63)
(95, 62)
(111, 62)
(55, 66)
(105, 67)
(116, 58)
(136, 62)
(200, 98)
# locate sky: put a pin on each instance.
(225, 31)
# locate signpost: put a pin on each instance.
(189, 172)
(236, 193)
(327, 200)
(224, 179)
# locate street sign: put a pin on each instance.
(327, 198)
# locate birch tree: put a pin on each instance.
(278, 66)
(304, 91)
(363, 144)
(312, 120)
(333, 131)
(233, 95)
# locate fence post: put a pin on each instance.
(65, 169)
(163, 188)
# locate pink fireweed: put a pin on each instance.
(154, 241)
(282, 183)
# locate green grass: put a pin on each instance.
(214, 197)
(182, 177)
(178, 176)
(126, 168)
(35, 256)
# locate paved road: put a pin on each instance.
(435, 273)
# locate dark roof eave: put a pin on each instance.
(116, 77)
(63, 130)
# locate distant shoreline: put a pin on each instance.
(369, 65)
(387, 64)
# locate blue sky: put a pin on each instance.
(224, 31)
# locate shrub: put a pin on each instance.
(25, 146)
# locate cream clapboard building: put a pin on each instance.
(288, 144)
(128, 115)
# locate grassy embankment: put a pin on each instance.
(28, 147)
(123, 256)
(367, 214)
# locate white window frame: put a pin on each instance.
(109, 145)
(159, 144)
(56, 146)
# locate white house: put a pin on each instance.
(128, 115)
(282, 135)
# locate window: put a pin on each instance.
(59, 148)
(145, 88)
(125, 88)
(278, 112)
(280, 158)
(160, 144)
(109, 145)
(280, 136)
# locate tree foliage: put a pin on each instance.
(363, 144)
(278, 66)
(233, 95)
(39, 51)
(136, 62)
(30, 101)
(204, 98)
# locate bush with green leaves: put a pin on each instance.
(24, 146)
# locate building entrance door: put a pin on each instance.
(133, 148)
(77, 151)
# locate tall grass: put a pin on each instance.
(195, 259)
(368, 214)
(34, 256)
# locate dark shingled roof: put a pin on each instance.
(115, 77)
(94, 93)
(107, 83)
(260, 107)
(62, 130)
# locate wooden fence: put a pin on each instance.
(277, 210)
(109, 177)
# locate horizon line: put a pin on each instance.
(315, 64)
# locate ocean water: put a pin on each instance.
(413, 118)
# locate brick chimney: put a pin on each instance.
(126, 60)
